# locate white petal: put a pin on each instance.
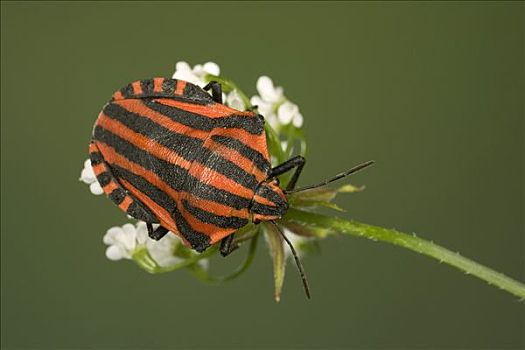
(298, 120)
(182, 66)
(87, 176)
(198, 70)
(296, 241)
(128, 237)
(111, 234)
(212, 68)
(267, 91)
(162, 251)
(272, 120)
(286, 112)
(114, 253)
(96, 189)
(188, 76)
(263, 107)
(234, 101)
(142, 232)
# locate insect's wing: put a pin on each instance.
(234, 161)
(149, 153)
(192, 162)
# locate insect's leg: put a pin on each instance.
(158, 233)
(227, 246)
(294, 162)
(216, 91)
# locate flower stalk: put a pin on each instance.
(408, 241)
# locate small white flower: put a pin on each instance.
(124, 241)
(274, 106)
(286, 112)
(297, 120)
(162, 250)
(195, 75)
(268, 92)
(88, 177)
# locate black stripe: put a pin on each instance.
(252, 124)
(189, 148)
(141, 212)
(196, 94)
(266, 192)
(117, 195)
(262, 209)
(217, 220)
(127, 91)
(96, 158)
(168, 86)
(104, 178)
(175, 176)
(248, 152)
(199, 241)
(147, 87)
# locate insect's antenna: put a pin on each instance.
(335, 178)
(297, 261)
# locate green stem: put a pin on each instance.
(411, 242)
(144, 260)
(206, 277)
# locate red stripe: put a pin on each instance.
(137, 89)
(212, 110)
(138, 107)
(196, 169)
(113, 157)
(181, 84)
(157, 84)
(164, 216)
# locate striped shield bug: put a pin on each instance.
(169, 153)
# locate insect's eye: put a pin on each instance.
(261, 118)
(277, 182)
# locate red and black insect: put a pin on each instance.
(169, 153)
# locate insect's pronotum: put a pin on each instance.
(168, 153)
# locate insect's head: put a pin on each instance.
(269, 202)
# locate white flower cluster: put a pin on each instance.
(124, 241)
(274, 106)
(197, 76)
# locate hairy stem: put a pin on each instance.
(411, 242)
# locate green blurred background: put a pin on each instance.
(434, 92)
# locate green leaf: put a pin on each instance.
(275, 243)
(315, 204)
(325, 194)
(305, 230)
